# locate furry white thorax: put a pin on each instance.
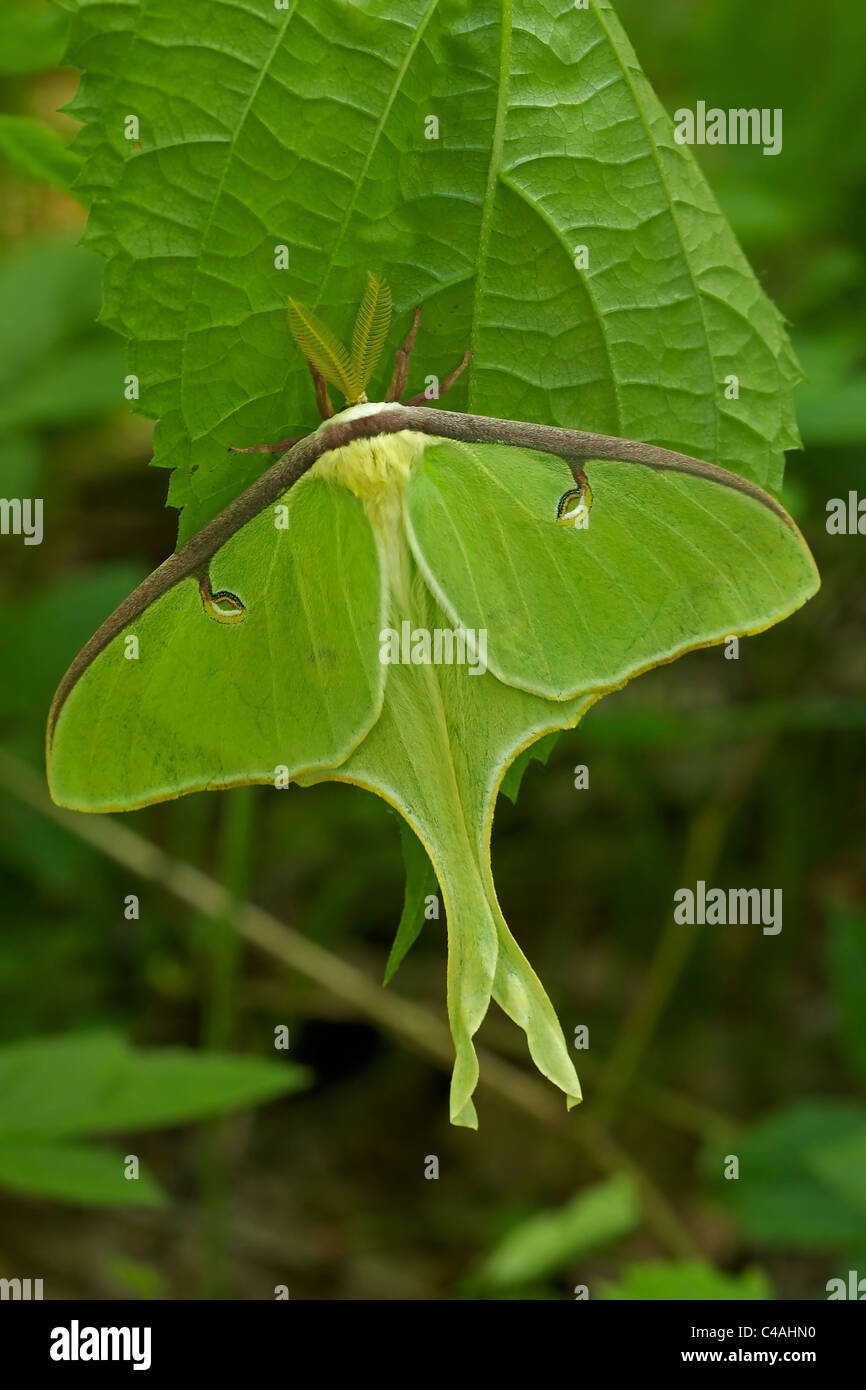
(376, 471)
(369, 467)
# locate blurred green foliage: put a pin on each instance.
(57, 1089)
(690, 1279)
(741, 773)
(802, 1181)
(550, 1241)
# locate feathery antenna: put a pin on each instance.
(324, 350)
(371, 327)
(329, 359)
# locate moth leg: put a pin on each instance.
(323, 400)
(458, 371)
(401, 364)
(578, 474)
(447, 383)
(280, 448)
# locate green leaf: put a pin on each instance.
(55, 367)
(783, 1197)
(68, 388)
(687, 1280)
(49, 297)
(75, 1173)
(137, 1278)
(831, 404)
(46, 1082)
(45, 629)
(52, 1087)
(420, 885)
(553, 1240)
(36, 150)
(20, 470)
(847, 968)
(842, 1166)
(668, 562)
(171, 1087)
(34, 38)
(550, 138)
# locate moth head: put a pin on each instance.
(349, 371)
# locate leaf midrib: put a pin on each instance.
(218, 192)
(495, 174)
(670, 202)
(374, 144)
(494, 171)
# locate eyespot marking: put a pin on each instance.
(572, 509)
(223, 606)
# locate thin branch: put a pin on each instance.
(573, 446)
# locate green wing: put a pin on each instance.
(295, 683)
(438, 754)
(668, 562)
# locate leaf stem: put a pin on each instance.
(223, 949)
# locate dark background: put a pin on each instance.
(702, 1042)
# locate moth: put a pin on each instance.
(258, 644)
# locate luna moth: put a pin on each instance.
(261, 650)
